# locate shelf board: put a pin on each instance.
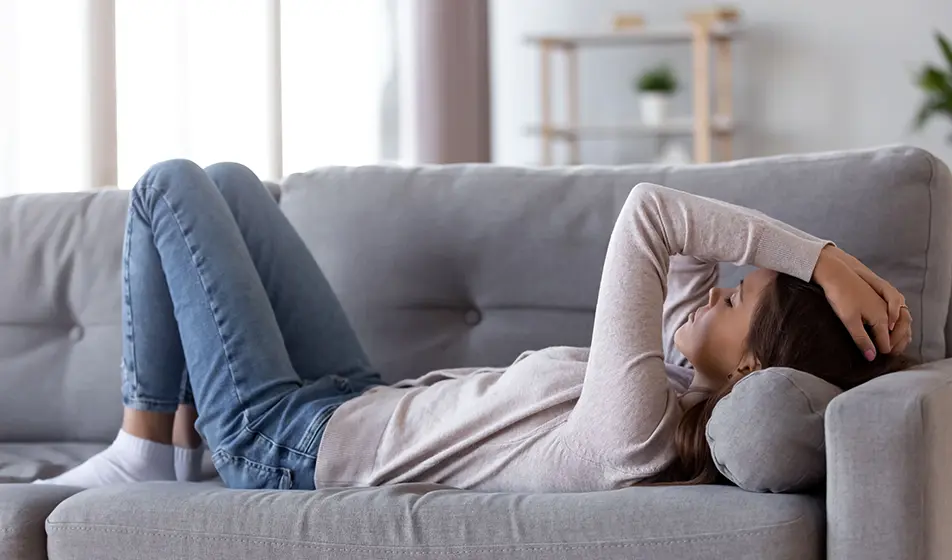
(674, 127)
(678, 33)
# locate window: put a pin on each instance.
(208, 80)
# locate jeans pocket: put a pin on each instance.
(243, 473)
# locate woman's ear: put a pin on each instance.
(748, 364)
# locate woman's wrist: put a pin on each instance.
(825, 265)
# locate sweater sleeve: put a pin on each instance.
(689, 281)
(626, 414)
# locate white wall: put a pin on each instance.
(810, 75)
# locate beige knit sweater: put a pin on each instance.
(569, 419)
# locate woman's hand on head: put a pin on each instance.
(860, 298)
(894, 299)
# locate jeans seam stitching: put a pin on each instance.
(127, 250)
(257, 434)
(310, 434)
(284, 473)
(147, 400)
(201, 277)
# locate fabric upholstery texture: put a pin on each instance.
(60, 332)
(409, 521)
(25, 462)
(469, 266)
(59, 316)
(889, 493)
(783, 449)
(23, 512)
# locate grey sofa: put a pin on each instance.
(464, 266)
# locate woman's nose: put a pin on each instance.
(712, 296)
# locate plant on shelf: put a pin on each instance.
(936, 83)
(655, 89)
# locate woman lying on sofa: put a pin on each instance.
(217, 283)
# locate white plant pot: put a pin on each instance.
(654, 108)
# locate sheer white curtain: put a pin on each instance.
(207, 80)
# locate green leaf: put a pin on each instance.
(933, 80)
(936, 83)
(945, 47)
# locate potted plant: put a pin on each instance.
(655, 89)
(936, 83)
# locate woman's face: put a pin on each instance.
(714, 339)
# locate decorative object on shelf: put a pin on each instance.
(936, 83)
(711, 124)
(626, 22)
(715, 15)
(655, 88)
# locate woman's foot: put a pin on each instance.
(128, 459)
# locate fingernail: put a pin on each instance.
(892, 325)
(870, 355)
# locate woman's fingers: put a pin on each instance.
(901, 336)
(894, 302)
(862, 317)
(869, 306)
(861, 338)
(893, 297)
(881, 335)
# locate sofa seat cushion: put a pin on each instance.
(23, 510)
(169, 520)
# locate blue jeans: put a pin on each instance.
(221, 298)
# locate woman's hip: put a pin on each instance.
(277, 447)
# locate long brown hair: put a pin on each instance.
(793, 326)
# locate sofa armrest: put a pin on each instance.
(889, 467)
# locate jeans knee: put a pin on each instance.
(233, 178)
(170, 173)
(229, 170)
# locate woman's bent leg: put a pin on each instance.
(252, 410)
(153, 364)
(317, 334)
(320, 342)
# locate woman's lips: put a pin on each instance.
(695, 315)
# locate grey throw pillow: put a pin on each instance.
(767, 434)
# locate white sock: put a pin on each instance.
(128, 459)
(188, 463)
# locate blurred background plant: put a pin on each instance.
(660, 79)
(936, 82)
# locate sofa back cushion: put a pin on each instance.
(469, 265)
(60, 336)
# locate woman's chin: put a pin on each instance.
(682, 336)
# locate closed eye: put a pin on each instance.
(728, 301)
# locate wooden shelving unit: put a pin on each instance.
(711, 128)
